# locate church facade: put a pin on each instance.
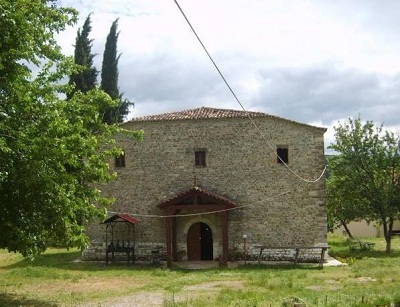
(203, 181)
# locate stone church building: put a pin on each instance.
(205, 181)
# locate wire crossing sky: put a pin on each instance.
(316, 62)
(241, 105)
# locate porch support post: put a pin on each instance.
(173, 241)
(169, 238)
(225, 244)
(107, 248)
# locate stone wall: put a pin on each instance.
(275, 207)
(155, 252)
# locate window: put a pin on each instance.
(282, 153)
(120, 160)
(200, 158)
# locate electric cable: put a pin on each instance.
(241, 105)
(199, 213)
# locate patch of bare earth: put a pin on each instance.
(215, 285)
(331, 285)
(158, 298)
(365, 279)
(86, 285)
(137, 300)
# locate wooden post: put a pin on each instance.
(245, 249)
(107, 243)
(169, 240)
(225, 244)
(173, 239)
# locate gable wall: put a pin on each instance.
(279, 208)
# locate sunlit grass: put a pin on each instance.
(371, 278)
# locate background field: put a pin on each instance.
(371, 278)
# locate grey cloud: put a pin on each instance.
(327, 94)
(161, 82)
(164, 78)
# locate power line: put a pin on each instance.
(200, 213)
(241, 105)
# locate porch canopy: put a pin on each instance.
(198, 200)
(118, 218)
(125, 245)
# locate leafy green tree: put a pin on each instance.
(86, 78)
(109, 78)
(366, 174)
(342, 203)
(53, 152)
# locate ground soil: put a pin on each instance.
(159, 298)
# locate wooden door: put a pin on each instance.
(200, 242)
(194, 242)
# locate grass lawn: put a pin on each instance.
(371, 278)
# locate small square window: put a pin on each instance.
(120, 160)
(200, 158)
(282, 153)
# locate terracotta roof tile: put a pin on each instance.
(208, 113)
(121, 218)
(200, 113)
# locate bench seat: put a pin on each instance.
(355, 244)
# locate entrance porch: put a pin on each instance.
(197, 226)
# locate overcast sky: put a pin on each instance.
(313, 61)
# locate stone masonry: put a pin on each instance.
(275, 206)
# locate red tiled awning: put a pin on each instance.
(121, 218)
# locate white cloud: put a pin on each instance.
(308, 60)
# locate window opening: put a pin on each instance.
(200, 158)
(120, 160)
(282, 153)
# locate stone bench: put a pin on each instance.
(321, 249)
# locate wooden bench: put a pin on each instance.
(396, 232)
(323, 248)
(355, 244)
(127, 248)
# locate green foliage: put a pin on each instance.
(109, 72)
(364, 178)
(109, 79)
(53, 152)
(343, 203)
(85, 78)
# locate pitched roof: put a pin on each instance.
(121, 218)
(199, 192)
(199, 113)
(208, 113)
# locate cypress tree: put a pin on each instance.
(85, 80)
(109, 78)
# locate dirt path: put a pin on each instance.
(158, 298)
(138, 300)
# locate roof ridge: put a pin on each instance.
(199, 113)
(209, 113)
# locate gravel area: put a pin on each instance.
(158, 298)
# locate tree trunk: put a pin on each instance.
(347, 229)
(389, 245)
(387, 232)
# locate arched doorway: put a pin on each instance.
(200, 242)
(196, 200)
